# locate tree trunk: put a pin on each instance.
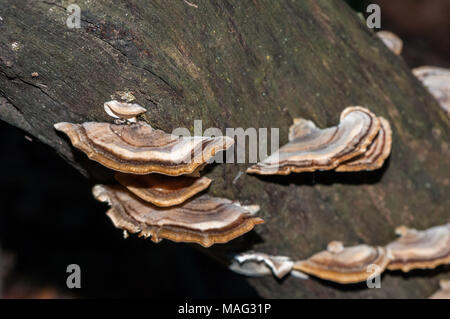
(243, 64)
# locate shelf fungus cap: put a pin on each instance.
(376, 153)
(344, 264)
(416, 249)
(204, 220)
(392, 41)
(437, 81)
(444, 292)
(140, 149)
(260, 264)
(162, 190)
(311, 148)
(122, 110)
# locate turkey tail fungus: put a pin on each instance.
(162, 190)
(392, 41)
(344, 264)
(140, 149)
(260, 264)
(376, 153)
(204, 220)
(311, 148)
(416, 249)
(121, 110)
(444, 292)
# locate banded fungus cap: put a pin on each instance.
(416, 249)
(260, 264)
(344, 264)
(162, 190)
(140, 149)
(203, 220)
(311, 148)
(122, 110)
(392, 41)
(437, 81)
(376, 153)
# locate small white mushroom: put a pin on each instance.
(124, 111)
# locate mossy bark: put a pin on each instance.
(243, 64)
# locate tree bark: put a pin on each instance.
(243, 64)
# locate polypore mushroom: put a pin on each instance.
(392, 41)
(121, 110)
(162, 190)
(260, 264)
(376, 153)
(416, 249)
(344, 264)
(444, 292)
(140, 149)
(437, 81)
(204, 220)
(311, 148)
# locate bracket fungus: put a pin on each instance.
(260, 264)
(344, 264)
(162, 190)
(204, 220)
(392, 41)
(140, 149)
(444, 292)
(311, 148)
(416, 249)
(437, 81)
(121, 110)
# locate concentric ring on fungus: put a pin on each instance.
(140, 149)
(162, 190)
(203, 220)
(344, 264)
(311, 148)
(415, 249)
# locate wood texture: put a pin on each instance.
(244, 64)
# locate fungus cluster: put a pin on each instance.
(361, 141)
(204, 220)
(415, 249)
(159, 177)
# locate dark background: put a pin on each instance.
(48, 218)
